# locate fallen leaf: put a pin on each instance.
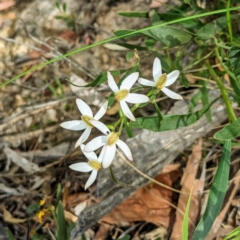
(6, 4)
(70, 217)
(189, 183)
(7, 216)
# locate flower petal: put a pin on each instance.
(136, 98)
(157, 69)
(84, 108)
(109, 155)
(172, 94)
(127, 111)
(81, 167)
(84, 136)
(100, 157)
(89, 155)
(91, 179)
(101, 111)
(100, 126)
(146, 82)
(95, 144)
(129, 81)
(111, 82)
(74, 125)
(172, 77)
(124, 147)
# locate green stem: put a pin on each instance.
(223, 91)
(229, 23)
(121, 126)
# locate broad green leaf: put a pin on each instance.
(170, 122)
(216, 195)
(194, 101)
(61, 223)
(170, 36)
(185, 219)
(229, 132)
(235, 234)
(211, 29)
(150, 42)
(129, 55)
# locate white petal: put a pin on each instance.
(111, 82)
(74, 125)
(95, 144)
(157, 69)
(89, 155)
(124, 147)
(146, 82)
(81, 167)
(172, 94)
(109, 156)
(172, 77)
(100, 157)
(84, 137)
(100, 126)
(101, 111)
(84, 108)
(129, 81)
(91, 179)
(127, 111)
(136, 98)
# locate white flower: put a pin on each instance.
(108, 142)
(87, 114)
(93, 164)
(123, 94)
(161, 81)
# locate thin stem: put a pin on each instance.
(121, 126)
(118, 37)
(146, 176)
(229, 23)
(223, 91)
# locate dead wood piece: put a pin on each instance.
(151, 152)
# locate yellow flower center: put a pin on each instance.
(94, 164)
(86, 119)
(121, 94)
(112, 138)
(160, 83)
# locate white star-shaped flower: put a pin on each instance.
(93, 164)
(87, 114)
(109, 142)
(123, 94)
(161, 81)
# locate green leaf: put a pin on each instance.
(58, 194)
(33, 208)
(61, 223)
(211, 29)
(170, 122)
(57, 5)
(10, 234)
(134, 14)
(159, 114)
(132, 46)
(234, 59)
(216, 195)
(235, 234)
(126, 237)
(229, 132)
(185, 219)
(170, 36)
(194, 101)
(124, 31)
(64, 7)
(206, 100)
(150, 43)
(129, 55)
(184, 81)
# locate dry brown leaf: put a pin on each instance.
(7, 216)
(189, 183)
(114, 109)
(157, 4)
(150, 203)
(70, 217)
